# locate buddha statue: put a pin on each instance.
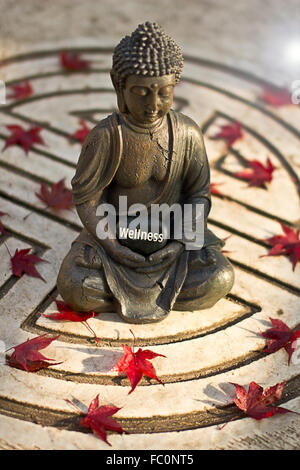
(148, 154)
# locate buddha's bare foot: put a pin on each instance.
(206, 257)
(87, 257)
(211, 257)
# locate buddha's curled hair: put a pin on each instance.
(147, 52)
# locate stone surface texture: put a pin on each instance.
(231, 50)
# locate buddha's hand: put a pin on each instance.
(166, 255)
(123, 255)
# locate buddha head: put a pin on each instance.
(146, 67)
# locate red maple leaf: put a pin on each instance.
(56, 197)
(98, 419)
(281, 336)
(257, 402)
(229, 132)
(214, 190)
(66, 313)
(73, 62)
(276, 96)
(23, 262)
(81, 133)
(287, 244)
(137, 364)
(26, 355)
(257, 174)
(2, 229)
(21, 91)
(26, 139)
(224, 240)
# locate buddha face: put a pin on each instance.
(148, 99)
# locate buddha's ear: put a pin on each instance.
(120, 96)
(121, 102)
(113, 79)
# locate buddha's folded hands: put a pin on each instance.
(122, 254)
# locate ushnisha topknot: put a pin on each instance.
(147, 52)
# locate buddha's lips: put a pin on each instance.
(151, 114)
(151, 117)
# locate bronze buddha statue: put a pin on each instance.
(151, 155)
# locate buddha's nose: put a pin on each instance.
(152, 103)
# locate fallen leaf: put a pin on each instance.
(66, 313)
(257, 174)
(2, 229)
(214, 190)
(281, 336)
(81, 133)
(73, 62)
(229, 132)
(226, 252)
(56, 197)
(276, 96)
(26, 139)
(135, 365)
(20, 91)
(26, 355)
(99, 419)
(257, 402)
(23, 262)
(287, 244)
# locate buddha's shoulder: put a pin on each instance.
(101, 131)
(187, 124)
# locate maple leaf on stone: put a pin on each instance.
(73, 62)
(66, 313)
(26, 139)
(26, 355)
(81, 133)
(257, 174)
(257, 402)
(99, 420)
(226, 252)
(136, 364)
(56, 197)
(281, 336)
(2, 229)
(287, 244)
(20, 91)
(23, 262)
(214, 190)
(229, 132)
(276, 96)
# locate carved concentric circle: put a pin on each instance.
(204, 350)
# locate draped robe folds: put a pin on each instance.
(142, 296)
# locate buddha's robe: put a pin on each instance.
(139, 297)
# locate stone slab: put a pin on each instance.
(204, 350)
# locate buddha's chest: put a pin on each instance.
(145, 156)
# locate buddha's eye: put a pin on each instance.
(139, 90)
(166, 91)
